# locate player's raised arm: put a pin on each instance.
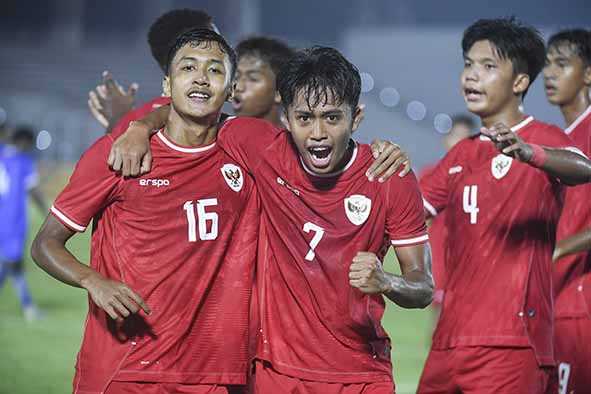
(412, 289)
(130, 153)
(576, 243)
(109, 102)
(50, 253)
(569, 167)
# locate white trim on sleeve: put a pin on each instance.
(430, 208)
(410, 241)
(67, 220)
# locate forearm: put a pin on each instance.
(411, 290)
(569, 167)
(576, 243)
(155, 120)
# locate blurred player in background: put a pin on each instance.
(567, 79)
(503, 192)
(18, 179)
(462, 127)
(325, 230)
(259, 62)
(111, 104)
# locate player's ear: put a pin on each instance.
(358, 115)
(587, 76)
(166, 86)
(521, 83)
(277, 98)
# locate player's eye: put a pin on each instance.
(467, 63)
(188, 67)
(303, 118)
(490, 66)
(333, 118)
(215, 70)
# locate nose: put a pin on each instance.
(318, 131)
(548, 72)
(240, 85)
(201, 78)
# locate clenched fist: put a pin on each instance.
(367, 274)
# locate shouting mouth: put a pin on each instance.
(320, 155)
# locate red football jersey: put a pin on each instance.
(138, 113)
(501, 217)
(314, 325)
(184, 238)
(572, 274)
(437, 242)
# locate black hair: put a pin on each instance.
(521, 44)
(198, 36)
(578, 39)
(464, 119)
(272, 51)
(165, 30)
(318, 72)
(23, 133)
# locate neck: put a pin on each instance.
(572, 110)
(187, 131)
(509, 117)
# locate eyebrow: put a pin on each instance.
(191, 58)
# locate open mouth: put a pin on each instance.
(320, 155)
(237, 103)
(472, 94)
(550, 89)
(199, 96)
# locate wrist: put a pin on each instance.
(141, 126)
(87, 281)
(538, 156)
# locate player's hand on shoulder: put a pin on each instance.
(115, 298)
(130, 154)
(508, 142)
(389, 158)
(109, 101)
(366, 273)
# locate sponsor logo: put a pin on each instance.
(233, 176)
(287, 185)
(455, 170)
(357, 208)
(500, 165)
(154, 182)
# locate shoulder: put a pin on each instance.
(100, 148)
(247, 124)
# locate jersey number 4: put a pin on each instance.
(206, 233)
(470, 202)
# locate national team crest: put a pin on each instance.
(500, 165)
(357, 208)
(233, 176)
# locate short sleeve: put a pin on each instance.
(434, 182)
(136, 114)
(245, 139)
(405, 223)
(90, 189)
(554, 137)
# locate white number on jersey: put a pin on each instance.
(318, 233)
(203, 217)
(563, 375)
(470, 201)
(4, 181)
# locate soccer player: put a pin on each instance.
(18, 178)
(259, 61)
(462, 127)
(502, 192)
(178, 245)
(325, 229)
(567, 78)
(111, 105)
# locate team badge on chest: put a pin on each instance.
(233, 176)
(357, 208)
(500, 165)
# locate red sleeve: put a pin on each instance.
(405, 223)
(245, 139)
(138, 113)
(91, 187)
(434, 182)
(554, 137)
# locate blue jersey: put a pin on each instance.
(17, 176)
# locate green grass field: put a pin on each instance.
(39, 357)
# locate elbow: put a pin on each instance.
(426, 297)
(37, 248)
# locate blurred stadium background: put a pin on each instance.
(53, 52)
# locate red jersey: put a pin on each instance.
(184, 238)
(501, 217)
(572, 274)
(138, 113)
(437, 242)
(314, 325)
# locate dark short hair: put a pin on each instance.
(464, 119)
(578, 39)
(521, 44)
(23, 133)
(199, 36)
(165, 30)
(272, 51)
(318, 72)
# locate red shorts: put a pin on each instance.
(171, 388)
(483, 370)
(269, 381)
(572, 347)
